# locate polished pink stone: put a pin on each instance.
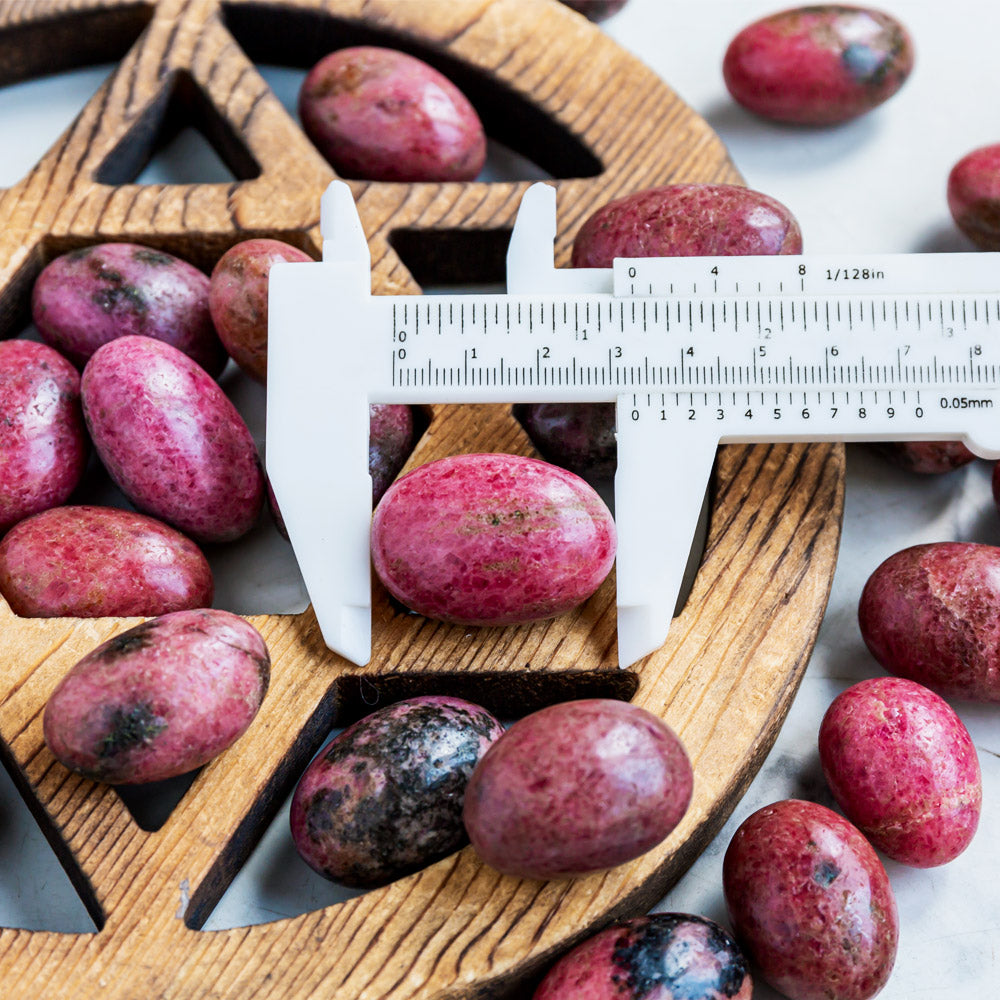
(91, 562)
(170, 438)
(903, 767)
(666, 956)
(577, 787)
(931, 613)
(818, 65)
(492, 539)
(381, 114)
(90, 296)
(687, 220)
(811, 903)
(43, 441)
(974, 196)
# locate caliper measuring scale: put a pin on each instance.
(694, 351)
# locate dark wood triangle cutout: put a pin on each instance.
(152, 804)
(180, 109)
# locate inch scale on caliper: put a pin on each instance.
(695, 351)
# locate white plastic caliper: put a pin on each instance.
(695, 351)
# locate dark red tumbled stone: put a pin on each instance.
(818, 65)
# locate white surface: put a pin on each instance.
(874, 185)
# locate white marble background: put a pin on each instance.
(874, 185)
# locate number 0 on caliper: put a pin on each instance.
(695, 351)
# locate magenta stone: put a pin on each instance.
(171, 440)
(818, 65)
(669, 956)
(159, 699)
(974, 196)
(91, 562)
(93, 295)
(492, 539)
(687, 220)
(576, 788)
(380, 114)
(903, 767)
(43, 444)
(931, 613)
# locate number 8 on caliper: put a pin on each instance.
(695, 351)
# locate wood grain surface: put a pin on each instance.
(552, 86)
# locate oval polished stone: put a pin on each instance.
(669, 956)
(811, 903)
(44, 444)
(687, 220)
(384, 798)
(381, 114)
(492, 539)
(159, 699)
(818, 65)
(974, 196)
(577, 787)
(930, 613)
(91, 562)
(903, 768)
(171, 439)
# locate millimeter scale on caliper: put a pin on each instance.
(695, 352)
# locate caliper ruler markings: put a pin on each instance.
(694, 351)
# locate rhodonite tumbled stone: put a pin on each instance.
(818, 65)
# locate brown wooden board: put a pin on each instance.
(553, 86)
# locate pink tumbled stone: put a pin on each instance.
(931, 613)
(90, 296)
(575, 788)
(381, 114)
(818, 65)
(492, 539)
(903, 767)
(974, 196)
(687, 220)
(43, 444)
(811, 903)
(171, 439)
(666, 956)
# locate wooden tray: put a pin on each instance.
(556, 88)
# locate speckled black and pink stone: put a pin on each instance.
(810, 903)
(664, 956)
(43, 440)
(818, 65)
(93, 562)
(492, 539)
(160, 699)
(903, 768)
(384, 798)
(90, 296)
(929, 613)
(172, 441)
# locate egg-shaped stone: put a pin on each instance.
(492, 539)
(819, 64)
